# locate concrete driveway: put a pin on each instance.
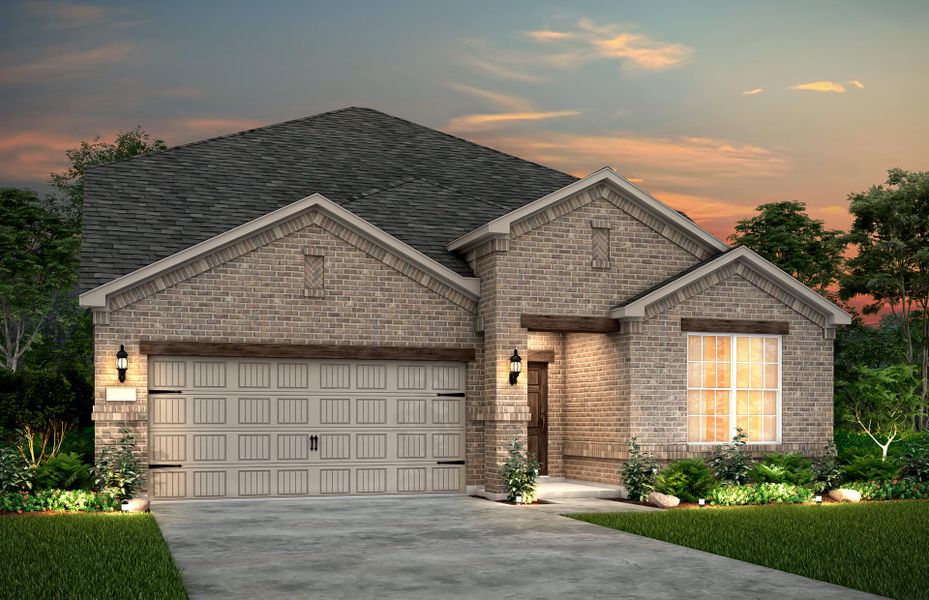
(443, 547)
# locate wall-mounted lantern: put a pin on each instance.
(516, 365)
(122, 363)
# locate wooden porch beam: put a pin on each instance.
(233, 350)
(560, 324)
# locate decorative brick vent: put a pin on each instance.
(600, 244)
(314, 270)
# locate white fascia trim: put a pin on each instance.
(834, 314)
(501, 225)
(469, 286)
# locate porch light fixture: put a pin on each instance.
(516, 365)
(122, 363)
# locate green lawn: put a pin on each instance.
(876, 547)
(86, 556)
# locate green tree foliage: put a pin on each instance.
(70, 183)
(785, 234)
(38, 268)
(881, 402)
(891, 234)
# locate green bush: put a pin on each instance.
(65, 471)
(760, 493)
(731, 463)
(870, 468)
(639, 473)
(73, 500)
(826, 470)
(118, 471)
(778, 467)
(851, 444)
(520, 473)
(81, 442)
(900, 489)
(15, 474)
(689, 479)
(915, 459)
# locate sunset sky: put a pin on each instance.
(714, 107)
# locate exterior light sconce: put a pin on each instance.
(516, 365)
(122, 363)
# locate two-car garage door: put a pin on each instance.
(246, 427)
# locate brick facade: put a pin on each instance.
(602, 388)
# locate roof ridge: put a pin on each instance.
(467, 141)
(225, 136)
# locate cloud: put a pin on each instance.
(590, 41)
(75, 61)
(856, 83)
(67, 14)
(753, 92)
(506, 101)
(504, 71)
(481, 121)
(680, 163)
(820, 86)
(32, 154)
(196, 128)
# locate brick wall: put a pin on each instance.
(259, 297)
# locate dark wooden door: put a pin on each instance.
(538, 409)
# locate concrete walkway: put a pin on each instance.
(444, 547)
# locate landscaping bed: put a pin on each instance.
(86, 556)
(877, 547)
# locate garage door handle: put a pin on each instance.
(163, 466)
(314, 443)
(449, 462)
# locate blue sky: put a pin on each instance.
(713, 106)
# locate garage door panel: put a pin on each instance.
(243, 427)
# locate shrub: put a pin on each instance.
(777, 467)
(900, 489)
(15, 474)
(915, 460)
(731, 463)
(639, 473)
(689, 479)
(760, 493)
(520, 473)
(74, 500)
(66, 471)
(118, 471)
(870, 468)
(826, 471)
(81, 442)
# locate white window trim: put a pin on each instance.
(732, 384)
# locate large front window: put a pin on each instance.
(733, 381)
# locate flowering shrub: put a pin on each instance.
(73, 500)
(760, 493)
(895, 489)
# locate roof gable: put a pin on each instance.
(141, 210)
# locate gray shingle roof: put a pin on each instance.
(420, 185)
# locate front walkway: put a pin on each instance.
(444, 547)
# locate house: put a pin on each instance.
(330, 305)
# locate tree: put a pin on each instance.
(785, 234)
(891, 234)
(38, 262)
(127, 144)
(881, 401)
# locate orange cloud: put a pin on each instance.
(32, 155)
(634, 51)
(820, 86)
(185, 130)
(856, 83)
(507, 101)
(753, 92)
(478, 121)
(78, 61)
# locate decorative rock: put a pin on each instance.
(663, 500)
(844, 495)
(135, 505)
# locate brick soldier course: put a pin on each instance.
(409, 238)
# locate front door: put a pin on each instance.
(538, 409)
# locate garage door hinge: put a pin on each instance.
(450, 462)
(453, 394)
(164, 391)
(163, 466)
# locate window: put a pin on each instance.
(733, 381)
